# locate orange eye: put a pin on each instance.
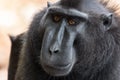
(56, 18)
(71, 22)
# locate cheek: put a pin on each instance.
(84, 49)
(48, 36)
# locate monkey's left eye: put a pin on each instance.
(56, 18)
(73, 21)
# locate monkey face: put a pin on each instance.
(62, 27)
(58, 55)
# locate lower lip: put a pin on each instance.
(59, 68)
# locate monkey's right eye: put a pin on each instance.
(56, 18)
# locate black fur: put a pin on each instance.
(70, 3)
(16, 43)
(98, 51)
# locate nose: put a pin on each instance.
(54, 48)
(58, 37)
(57, 40)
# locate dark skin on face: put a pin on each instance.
(69, 41)
(57, 53)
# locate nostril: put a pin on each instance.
(56, 51)
(53, 51)
(50, 51)
(54, 48)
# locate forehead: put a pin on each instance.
(67, 11)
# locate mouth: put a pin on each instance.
(59, 67)
(58, 70)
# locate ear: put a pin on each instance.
(48, 4)
(12, 38)
(107, 20)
